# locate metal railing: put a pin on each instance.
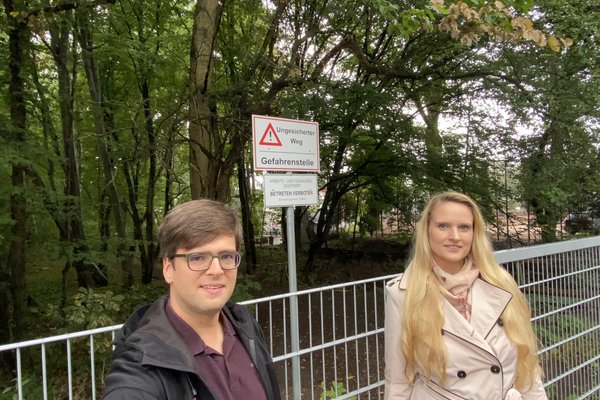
(562, 283)
(341, 334)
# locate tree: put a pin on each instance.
(12, 274)
(565, 100)
(103, 144)
(206, 146)
(142, 26)
(129, 109)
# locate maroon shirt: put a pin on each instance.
(231, 375)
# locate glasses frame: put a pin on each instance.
(187, 260)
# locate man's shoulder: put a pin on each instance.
(138, 319)
(128, 378)
(237, 312)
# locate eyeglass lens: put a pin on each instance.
(203, 261)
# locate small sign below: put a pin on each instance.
(289, 190)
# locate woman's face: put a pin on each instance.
(450, 234)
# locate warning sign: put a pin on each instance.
(270, 137)
(281, 144)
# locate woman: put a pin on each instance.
(456, 324)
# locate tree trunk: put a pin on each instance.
(249, 244)
(12, 273)
(16, 253)
(339, 184)
(144, 72)
(205, 143)
(152, 248)
(328, 208)
(355, 221)
(169, 164)
(430, 107)
(300, 223)
(60, 32)
(102, 144)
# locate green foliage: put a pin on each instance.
(246, 288)
(31, 387)
(411, 21)
(376, 75)
(90, 309)
(382, 149)
(553, 179)
(523, 6)
(335, 389)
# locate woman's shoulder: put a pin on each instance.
(394, 281)
(400, 281)
(396, 287)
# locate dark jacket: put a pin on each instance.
(151, 361)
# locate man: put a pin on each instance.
(194, 343)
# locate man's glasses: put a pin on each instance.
(203, 261)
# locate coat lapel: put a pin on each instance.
(488, 303)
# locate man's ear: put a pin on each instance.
(168, 269)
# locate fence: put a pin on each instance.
(341, 334)
(562, 283)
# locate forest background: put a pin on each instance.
(112, 112)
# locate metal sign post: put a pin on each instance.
(293, 288)
(288, 145)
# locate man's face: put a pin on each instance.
(202, 294)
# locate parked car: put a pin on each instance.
(581, 222)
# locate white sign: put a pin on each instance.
(287, 190)
(285, 144)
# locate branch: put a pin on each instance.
(371, 68)
(60, 8)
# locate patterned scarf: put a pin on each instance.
(457, 287)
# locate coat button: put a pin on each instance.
(461, 374)
(500, 322)
(495, 369)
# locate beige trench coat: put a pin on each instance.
(481, 360)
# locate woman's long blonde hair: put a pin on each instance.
(421, 339)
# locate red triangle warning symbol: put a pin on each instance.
(270, 138)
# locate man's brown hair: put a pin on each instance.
(196, 223)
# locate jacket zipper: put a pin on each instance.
(194, 392)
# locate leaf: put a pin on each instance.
(553, 43)
(523, 6)
(567, 42)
